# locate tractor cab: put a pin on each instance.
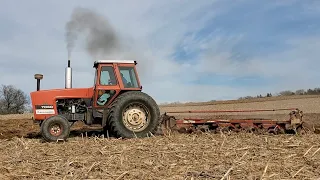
(113, 77)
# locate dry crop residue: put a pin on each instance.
(202, 156)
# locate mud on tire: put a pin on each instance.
(54, 128)
(133, 114)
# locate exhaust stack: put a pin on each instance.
(68, 76)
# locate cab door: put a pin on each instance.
(107, 86)
(129, 77)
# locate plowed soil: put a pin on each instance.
(87, 155)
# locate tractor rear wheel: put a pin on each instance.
(55, 128)
(133, 114)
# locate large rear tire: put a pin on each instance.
(55, 128)
(133, 114)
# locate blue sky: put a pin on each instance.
(187, 50)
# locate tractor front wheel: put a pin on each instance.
(55, 128)
(133, 114)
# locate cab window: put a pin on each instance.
(107, 76)
(128, 77)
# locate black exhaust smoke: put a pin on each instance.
(101, 39)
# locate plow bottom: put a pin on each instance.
(294, 124)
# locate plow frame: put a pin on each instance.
(188, 125)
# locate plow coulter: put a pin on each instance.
(292, 124)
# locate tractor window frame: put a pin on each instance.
(130, 75)
(95, 77)
(111, 76)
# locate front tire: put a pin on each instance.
(55, 128)
(134, 114)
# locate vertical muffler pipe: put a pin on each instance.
(68, 76)
(38, 77)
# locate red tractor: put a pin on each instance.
(116, 102)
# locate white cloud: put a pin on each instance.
(302, 54)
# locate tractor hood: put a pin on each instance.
(48, 97)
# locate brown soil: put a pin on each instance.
(10, 128)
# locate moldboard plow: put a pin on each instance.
(292, 124)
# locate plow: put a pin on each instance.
(292, 124)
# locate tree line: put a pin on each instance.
(315, 91)
(13, 100)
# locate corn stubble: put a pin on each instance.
(175, 156)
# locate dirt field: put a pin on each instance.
(179, 156)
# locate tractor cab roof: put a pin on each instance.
(114, 61)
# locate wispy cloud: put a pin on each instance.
(187, 51)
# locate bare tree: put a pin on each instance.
(300, 92)
(286, 93)
(12, 100)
